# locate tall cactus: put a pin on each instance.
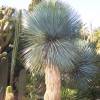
(6, 27)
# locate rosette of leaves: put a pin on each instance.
(86, 69)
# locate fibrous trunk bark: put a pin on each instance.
(53, 84)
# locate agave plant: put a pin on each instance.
(47, 44)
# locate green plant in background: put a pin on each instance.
(33, 4)
(30, 87)
(97, 39)
(35, 87)
(68, 94)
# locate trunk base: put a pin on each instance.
(53, 84)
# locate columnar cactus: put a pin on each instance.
(7, 27)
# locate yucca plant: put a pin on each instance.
(48, 43)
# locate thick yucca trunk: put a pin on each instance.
(53, 84)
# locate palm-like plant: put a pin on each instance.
(47, 44)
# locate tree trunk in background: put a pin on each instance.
(3, 78)
(53, 84)
(21, 85)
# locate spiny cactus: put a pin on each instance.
(7, 27)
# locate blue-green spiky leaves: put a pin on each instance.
(47, 39)
(55, 22)
(86, 70)
(46, 34)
